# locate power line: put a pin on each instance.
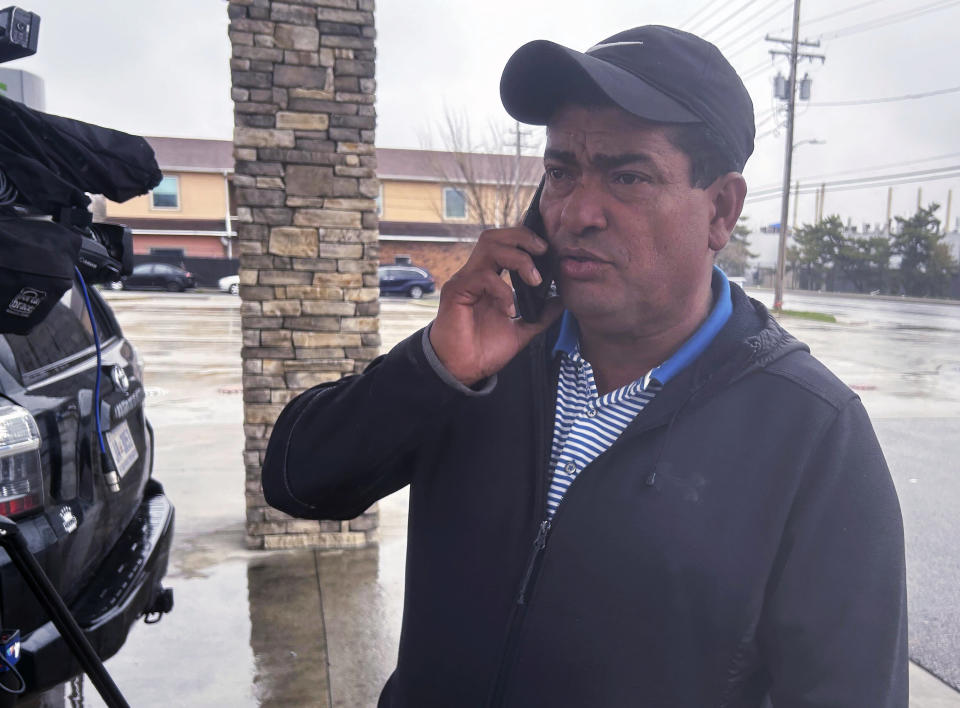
(743, 34)
(757, 69)
(708, 16)
(877, 180)
(811, 189)
(895, 18)
(726, 19)
(890, 99)
(765, 133)
(696, 12)
(831, 15)
(764, 118)
(902, 163)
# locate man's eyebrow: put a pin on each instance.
(605, 162)
(559, 155)
(611, 161)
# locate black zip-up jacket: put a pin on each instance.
(741, 541)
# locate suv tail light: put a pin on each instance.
(21, 478)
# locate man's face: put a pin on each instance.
(631, 236)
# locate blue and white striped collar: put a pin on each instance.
(568, 340)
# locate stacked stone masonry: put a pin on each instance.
(305, 184)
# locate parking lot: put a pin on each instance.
(303, 628)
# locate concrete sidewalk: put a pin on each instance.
(359, 594)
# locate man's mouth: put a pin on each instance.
(579, 264)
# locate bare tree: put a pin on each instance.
(486, 176)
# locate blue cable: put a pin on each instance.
(96, 341)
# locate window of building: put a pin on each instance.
(166, 195)
(454, 203)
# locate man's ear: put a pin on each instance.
(727, 193)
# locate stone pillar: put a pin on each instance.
(306, 184)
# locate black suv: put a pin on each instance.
(103, 541)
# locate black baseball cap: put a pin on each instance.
(656, 73)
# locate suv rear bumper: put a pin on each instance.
(124, 587)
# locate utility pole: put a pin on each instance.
(946, 221)
(889, 206)
(796, 202)
(791, 89)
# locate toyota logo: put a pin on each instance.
(120, 379)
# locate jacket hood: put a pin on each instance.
(752, 322)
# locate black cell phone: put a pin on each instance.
(531, 299)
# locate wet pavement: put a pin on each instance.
(305, 628)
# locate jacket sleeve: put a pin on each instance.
(337, 448)
(834, 625)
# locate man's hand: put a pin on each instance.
(476, 332)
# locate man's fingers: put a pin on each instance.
(494, 287)
(499, 257)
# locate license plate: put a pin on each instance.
(122, 447)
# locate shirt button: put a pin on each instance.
(570, 468)
(591, 412)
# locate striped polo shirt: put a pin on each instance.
(586, 424)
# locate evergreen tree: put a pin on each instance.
(866, 263)
(815, 253)
(926, 265)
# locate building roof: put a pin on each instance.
(392, 163)
(192, 153)
(422, 230)
(431, 165)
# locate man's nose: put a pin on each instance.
(582, 210)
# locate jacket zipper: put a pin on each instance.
(540, 392)
(539, 543)
(517, 615)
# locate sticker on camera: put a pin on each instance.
(25, 302)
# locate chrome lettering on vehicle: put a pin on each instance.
(127, 405)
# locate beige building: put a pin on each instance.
(432, 204)
(190, 212)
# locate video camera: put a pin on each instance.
(48, 167)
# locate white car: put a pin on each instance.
(230, 284)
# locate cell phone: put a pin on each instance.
(532, 299)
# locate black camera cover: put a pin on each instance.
(53, 161)
(36, 268)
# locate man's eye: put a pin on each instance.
(629, 178)
(556, 173)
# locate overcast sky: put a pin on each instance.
(161, 68)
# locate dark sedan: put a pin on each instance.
(408, 280)
(157, 276)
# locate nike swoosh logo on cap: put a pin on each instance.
(595, 47)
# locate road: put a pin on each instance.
(257, 629)
(902, 357)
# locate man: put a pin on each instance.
(654, 496)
